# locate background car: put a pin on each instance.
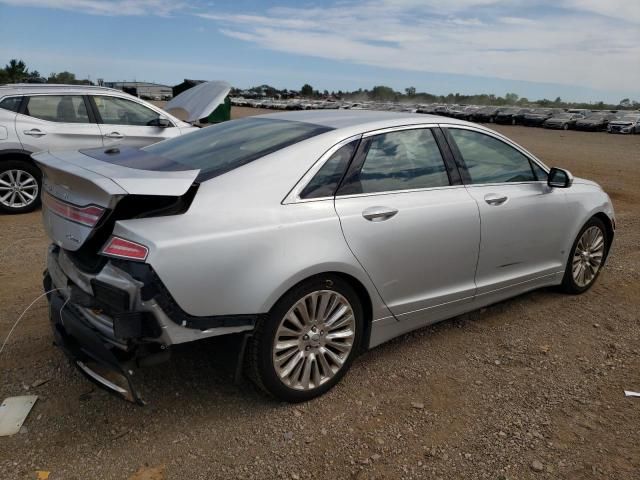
(36, 117)
(626, 123)
(463, 113)
(538, 116)
(562, 121)
(484, 115)
(597, 121)
(511, 116)
(326, 234)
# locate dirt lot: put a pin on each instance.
(530, 388)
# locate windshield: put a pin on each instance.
(220, 148)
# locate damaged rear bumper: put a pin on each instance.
(112, 321)
(88, 349)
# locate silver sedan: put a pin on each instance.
(318, 235)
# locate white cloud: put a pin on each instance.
(472, 37)
(102, 7)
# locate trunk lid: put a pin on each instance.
(96, 181)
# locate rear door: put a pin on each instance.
(410, 223)
(56, 122)
(523, 219)
(129, 123)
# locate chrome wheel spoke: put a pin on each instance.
(313, 340)
(18, 188)
(588, 255)
(291, 365)
(286, 345)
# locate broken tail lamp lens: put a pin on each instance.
(121, 248)
(88, 216)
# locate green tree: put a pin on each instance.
(380, 92)
(410, 91)
(511, 98)
(306, 90)
(16, 70)
(65, 77)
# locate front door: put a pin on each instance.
(129, 123)
(523, 219)
(415, 233)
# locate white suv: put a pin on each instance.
(37, 117)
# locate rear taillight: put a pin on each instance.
(121, 248)
(88, 216)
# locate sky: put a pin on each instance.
(579, 50)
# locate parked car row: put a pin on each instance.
(555, 118)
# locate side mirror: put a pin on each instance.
(559, 178)
(160, 122)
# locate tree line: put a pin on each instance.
(16, 71)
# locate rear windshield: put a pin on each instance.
(221, 148)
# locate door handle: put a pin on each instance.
(115, 135)
(495, 199)
(379, 214)
(34, 132)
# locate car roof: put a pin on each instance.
(33, 88)
(369, 119)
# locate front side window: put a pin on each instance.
(402, 160)
(58, 108)
(11, 103)
(490, 160)
(325, 182)
(120, 111)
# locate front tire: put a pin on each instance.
(20, 185)
(587, 257)
(308, 340)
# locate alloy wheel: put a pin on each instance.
(588, 255)
(314, 340)
(18, 188)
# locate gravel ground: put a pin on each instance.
(529, 388)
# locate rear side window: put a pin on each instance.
(402, 160)
(58, 108)
(223, 147)
(119, 111)
(490, 160)
(326, 181)
(12, 103)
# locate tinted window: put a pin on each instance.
(225, 146)
(119, 111)
(400, 160)
(490, 160)
(58, 108)
(325, 182)
(12, 103)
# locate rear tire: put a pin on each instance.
(587, 257)
(308, 341)
(20, 186)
